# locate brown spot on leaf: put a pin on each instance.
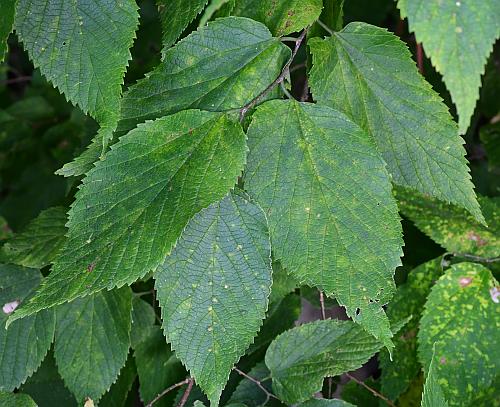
(476, 238)
(464, 281)
(495, 294)
(442, 360)
(91, 267)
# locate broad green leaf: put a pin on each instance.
(143, 321)
(367, 73)
(326, 403)
(340, 233)
(458, 36)
(433, 394)
(219, 67)
(25, 343)
(282, 17)
(46, 386)
(82, 48)
(175, 16)
(452, 227)
(92, 341)
(157, 367)
(214, 289)
(409, 300)
(38, 244)
(118, 393)
(300, 358)
(16, 400)
(134, 204)
(462, 318)
(6, 22)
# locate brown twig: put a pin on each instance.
(259, 385)
(373, 391)
(186, 393)
(168, 389)
(480, 259)
(16, 80)
(420, 58)
(284, 72)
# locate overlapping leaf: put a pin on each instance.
(458, 36)
(332, 217)
(82, 48)
(433, 394)
(6, 22)
(452, 227)
(219, 67)
(367, 73)
(134, 204)
(462, 319)
(300, 358)
(280, 16)
(92, 341)
(25, 343)
(40, 242)
(214, 289)
(409, 300)
(16, 400)
(175, 16)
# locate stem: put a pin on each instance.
(373, 391)
(285, 91)
(420, 58)
(186, 393)
(288, 39)
(284, 72)
(168, 389)
(472, 257)
(259, 385)
(325, 27)
(16, 80)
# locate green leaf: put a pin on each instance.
(134, 204)
(175, 16)
(25, 343)
(282, 17)
(92, 341)
(118, 393)
(300, 358)
(214, 288)
(433, 394)
(38, 244)
(409, 300)
(219, 67)
(248, 393)
(143, 321)
(16, 400)
(211, 10)
(82, 48)
(367, 73)
(462, 319)
(6, 22)
(458, 36)
(452, 227)
(340, 233)
(326, 403)
(46, 386)
(157, 367)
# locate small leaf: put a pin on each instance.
(143, 321)
(326, 403)
(340, 233)
(38, 244)
(117, 395)
(451, 32)
(452, 227)
(25, 343)
(214, 289)
(433, 394)
(134, 204)
(410, 124)
(92, 341)
(300, 358)
(462, 319)
(282, 17)
(82, 48)
(219, 67)
(247, 392)
(6, 22)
